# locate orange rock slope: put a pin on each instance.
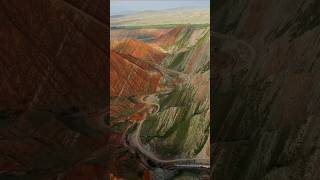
(128, 79)
(170, 37)
(139, 50)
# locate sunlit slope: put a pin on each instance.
(139, 50)
(191, 51)
(128, 78)
(181, 128)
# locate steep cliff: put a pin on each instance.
(265, 90)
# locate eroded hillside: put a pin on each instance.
(266, 72)
(173, 119)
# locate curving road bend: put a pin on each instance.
(187, 163)
(133, 142)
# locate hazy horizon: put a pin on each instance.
(120, 7)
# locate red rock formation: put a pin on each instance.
(127, 78)
(170, 37)
(146, 175)
(146, 65)
(86, 172)
(139, 50)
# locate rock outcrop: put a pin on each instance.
(130, 79)
(265, 90)
(169, 38)
(139, 50)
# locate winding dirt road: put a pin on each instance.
(133, 142)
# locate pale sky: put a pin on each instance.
(127, 6)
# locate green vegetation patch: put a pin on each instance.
(181, 125)
(160, 26)
(120, 126)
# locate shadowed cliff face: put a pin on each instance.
(52, 55)
(53, 91)
(266, 96)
